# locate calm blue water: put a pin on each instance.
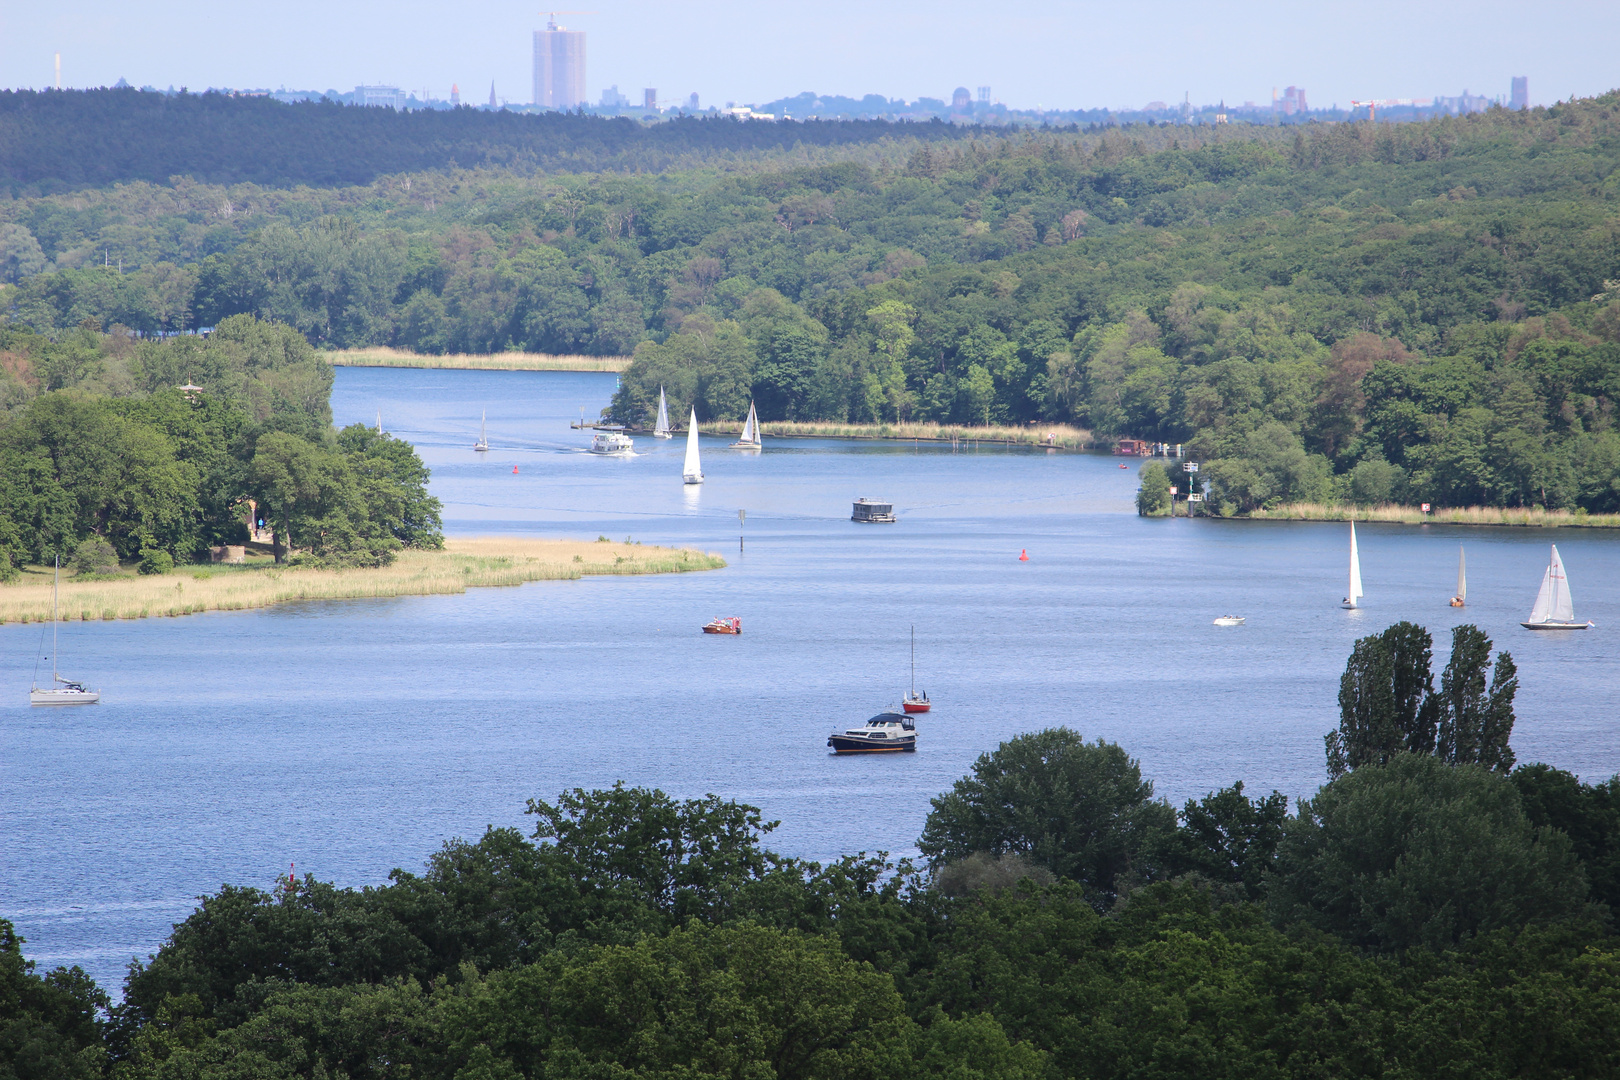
(354, 737)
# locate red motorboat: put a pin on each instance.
(915, 702)
(723, 625)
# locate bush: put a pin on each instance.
(1153, 497)
(156, 561)
(94, 556)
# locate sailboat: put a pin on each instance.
(1461, 599)
(1554, 609)
(61, 691)
(661, 428)
(914, 703)
(483, 439)
(1355, 572)
(692, 471)
(750, 439)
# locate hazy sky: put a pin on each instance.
(1057, 54)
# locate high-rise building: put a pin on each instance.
(1521, 93)
(649, 99)
(380, 96)
(455, 96)
(559, 67)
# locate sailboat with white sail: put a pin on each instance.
(692, 470)
(1461, 599)
(483, 439)
(1355, 572)
(1554, 609)
(61, 691)
(661, 426)
(750, 439)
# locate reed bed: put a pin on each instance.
(1061, 436)
(501, 361)
(462, 565)
(1458, 515)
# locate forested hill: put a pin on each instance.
(60, 140)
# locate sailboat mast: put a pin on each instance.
(56, 583)
(914, 661)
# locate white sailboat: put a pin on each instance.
(661, 427)
(750, 439)
(1554, 609)
(61, 691)
(1355, 572)
(692, 471)
(1461, 599)
(483, 439)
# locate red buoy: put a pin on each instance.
(514, 470)
(1023, 555)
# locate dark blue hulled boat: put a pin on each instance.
(885, 733)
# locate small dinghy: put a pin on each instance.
(1554, 609)
(885, 733)
(692, 468)
(483, 439)
(1354, 593)
(1461, 599)
(750, 440)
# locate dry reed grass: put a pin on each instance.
(464, 564)
(1062, 435)
(1459, 515)
(502, 361)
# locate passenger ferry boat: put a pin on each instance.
(612, 442)
(885, 733)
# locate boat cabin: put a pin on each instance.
(873, 512)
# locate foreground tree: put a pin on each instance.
(1386, 704)
(1476, 712)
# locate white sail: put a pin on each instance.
(750, 432)
(1544, 599)
(483, 439)
(661, 428)
(1355, 592)
(1462, 576)
(692, 471)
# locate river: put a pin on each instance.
(353, 737)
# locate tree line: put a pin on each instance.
(1432, 910)
(1424, 313)
(115, 450)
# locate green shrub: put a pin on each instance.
(94, 556)
(156, 561)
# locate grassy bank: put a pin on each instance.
(463, 564)
(502, 361)
(1061, 435)
(1460, 515)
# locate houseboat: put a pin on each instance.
(873, 512)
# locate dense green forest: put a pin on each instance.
(1431, 912)
(105, 457)
(1380, 313)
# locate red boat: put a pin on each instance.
(914, 702)
(723, 625)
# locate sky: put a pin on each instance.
(1061, 54)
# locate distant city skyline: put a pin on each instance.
(1054, 55)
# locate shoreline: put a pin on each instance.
(1063, 436)
(384, 357)
(1509, 517)
(464, 563)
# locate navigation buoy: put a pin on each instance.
(1023, 555)
(514, 470)
(1123, 465)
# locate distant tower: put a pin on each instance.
(455, 96)
(984, 95)
(692, 102)
(649, 99)
(492, 95)
(559, 66)
(960, 99)
(1521, 92)
(59, 71)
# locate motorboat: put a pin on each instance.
(1554, 609)
(1229, 620)
(612, 442)
(885, 733)
(61, 691)
(915, 702)
(1354, 592)
(723, 624)
(692, 467)
(750, 438)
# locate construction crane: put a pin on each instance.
(551, 17)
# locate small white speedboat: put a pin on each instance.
(885, 733)
(612, 442)
(1229, 620)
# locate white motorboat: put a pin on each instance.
(661, 427)
(61, 691)
(885, 733)
(1229, 620)
(1355, 572)
(750, 440)
(483, 439)
(1555, 609)
(692, 470)
(612, 442)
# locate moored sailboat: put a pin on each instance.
(61, 691)
(750, 440)
(915, 703)
(483, 439)
(692, 470)
(1354, 593)
(661, 425)
(1461, 599)
(1554, 608)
